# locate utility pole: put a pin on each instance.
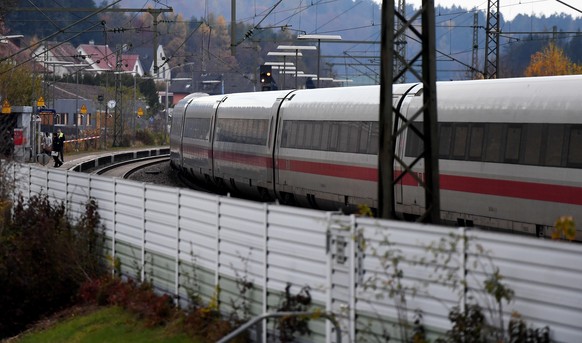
(232, 27)
(393, 123)
(492, 42)
(475, 59)
(400, 45)
(118, 117)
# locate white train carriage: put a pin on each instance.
(243, 143)
(177, 128)
(510, 150)
(327, 146)
(510, 153)
(326, 137)
(197, 137)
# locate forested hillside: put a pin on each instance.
(200, 31)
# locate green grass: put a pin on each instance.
(110, 324)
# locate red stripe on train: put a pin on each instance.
(253, 160)
(505, 188)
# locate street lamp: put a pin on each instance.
(284, 55)
(342, 81)
(296, 48)
(319, 38)
(281, 66)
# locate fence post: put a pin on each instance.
(263, 330)
(463, 270)
(143, 231)
(352, 280)
(177, 276)
(217, 246)
(114, 228)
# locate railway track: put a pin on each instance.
(125, 169)
(151, 169)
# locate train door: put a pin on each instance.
(401, 101)
(277, 161)
(213, 120)
(180, 116)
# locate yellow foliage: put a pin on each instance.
(564, 227)
(365, 211)
(551, 61)
(213, 306)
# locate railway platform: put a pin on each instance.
(74, 159)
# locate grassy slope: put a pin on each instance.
(110, 324)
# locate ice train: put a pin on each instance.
(510, 150)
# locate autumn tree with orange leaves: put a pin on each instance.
(551, 61)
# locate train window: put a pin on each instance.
(493, 139)
(445, 138)
(553, 155)
(197, 128)
(308, 135)
(414, 144)
(333, 139)
(246, 131)
(476, 142)
(289, 134)
(364, 137)
(374, 138)
(293, 135)
(354, 136)
(344, 131)
(512, 144)
(575, 147)
(285, 134)
(239, 129)
(316, 143)
(461, 132)
(263, 130)
(533, 144)
(252, 132)
(300, 143)
(325, 134)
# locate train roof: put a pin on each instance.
(553, 99)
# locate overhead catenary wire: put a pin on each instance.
(59, 32)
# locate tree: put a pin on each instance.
(516, 55)
(551, 61)
(18, 84)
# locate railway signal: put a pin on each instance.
(266, 77)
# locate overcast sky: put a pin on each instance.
(510, 8)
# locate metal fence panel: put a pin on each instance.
(198, 223)
(103, 191)
(242, 230)
(160, 219)
(545, 276)
(150, 228)
(297, 250)
(398, 263)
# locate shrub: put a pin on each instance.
(43, 260)
(147, 137)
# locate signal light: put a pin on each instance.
(266, 77)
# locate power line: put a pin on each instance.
(572, 7)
